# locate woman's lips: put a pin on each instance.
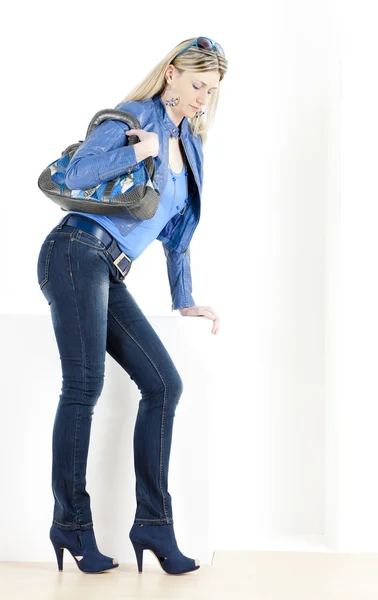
(193, 107)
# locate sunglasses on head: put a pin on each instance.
(204, 43)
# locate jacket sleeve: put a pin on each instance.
(102, 156)
(180, 278)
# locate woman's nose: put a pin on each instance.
(201, 102)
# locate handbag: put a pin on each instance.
(133, 193)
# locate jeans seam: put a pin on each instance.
(84, 369)
(71, 524)
(55, 231)
(167, 521)
(90, 245)
(47, 264)
(164, 403)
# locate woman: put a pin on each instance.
(81, 267)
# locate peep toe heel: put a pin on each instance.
(161, 541)
(83, 548)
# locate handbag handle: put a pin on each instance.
(120, 115)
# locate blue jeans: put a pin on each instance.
(93, 312)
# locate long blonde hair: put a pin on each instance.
(192, 59)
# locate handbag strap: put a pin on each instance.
(120, 115)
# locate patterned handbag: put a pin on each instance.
(133, 193)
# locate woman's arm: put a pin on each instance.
(103, 155)
(180, 277)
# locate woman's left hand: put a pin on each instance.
(202, 311)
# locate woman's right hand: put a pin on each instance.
(149, 142)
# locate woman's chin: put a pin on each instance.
(190, 112)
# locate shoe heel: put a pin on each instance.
(59, 555)
(139, 555)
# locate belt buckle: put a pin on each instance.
(118, 260)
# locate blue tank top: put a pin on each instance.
(134, 236)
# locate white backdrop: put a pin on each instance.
(265, 256)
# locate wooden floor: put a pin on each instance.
(253, 575)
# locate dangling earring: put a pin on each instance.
(199, 113)
(173, 101)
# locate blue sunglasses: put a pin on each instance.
(204, 43)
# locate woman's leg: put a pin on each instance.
(74, 275)
(134, 344)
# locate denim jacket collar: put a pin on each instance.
(161, 111)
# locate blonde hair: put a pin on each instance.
(192, 59)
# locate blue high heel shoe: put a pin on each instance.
(83, 547)
(161, 541)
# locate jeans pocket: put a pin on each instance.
(89, 240)
(43, 265)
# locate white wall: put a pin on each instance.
(259, 257)
(352, 324)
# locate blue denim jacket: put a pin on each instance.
(105, 155)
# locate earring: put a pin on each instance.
(199, 113)
(172, 101)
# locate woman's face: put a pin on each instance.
(194, 88)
